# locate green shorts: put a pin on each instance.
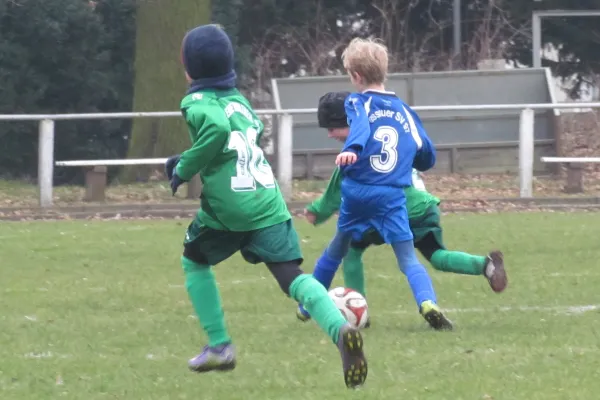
(273, 244)
(426, 230)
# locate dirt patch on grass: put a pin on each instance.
(448, 187)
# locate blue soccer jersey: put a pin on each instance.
(388, 138)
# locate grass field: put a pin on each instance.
(97, 310)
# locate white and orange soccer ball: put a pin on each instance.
(352, 305)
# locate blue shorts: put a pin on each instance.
(366, 207)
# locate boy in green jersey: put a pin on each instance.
(242, 208)
(424, 220)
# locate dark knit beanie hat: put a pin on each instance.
(207, 54)
(332, 111)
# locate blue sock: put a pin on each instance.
(325, 269)
(329, 262)
(416, 274)
(420, 283)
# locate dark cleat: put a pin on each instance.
(495, 272)
(435, 317)
(350, 344)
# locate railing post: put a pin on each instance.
(46, 161)
(536, 43)
(284, 155)
(526, 152)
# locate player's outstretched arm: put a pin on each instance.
(358, 120)
(329, 202)
(212, 134)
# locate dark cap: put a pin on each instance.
(207, 52)
(332, 112)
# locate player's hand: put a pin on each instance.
(345, 158)
(176, 181)
(170, 165)
(310, 217)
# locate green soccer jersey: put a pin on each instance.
(239, 191)
(418, 200)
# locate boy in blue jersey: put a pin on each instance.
(423, 215)
(386, 140)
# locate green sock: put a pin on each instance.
(313, 296)
(458, 262)
(354, 272)
(203, 291)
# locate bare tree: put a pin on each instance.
(314, 47)
(489, 34)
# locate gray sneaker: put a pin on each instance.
(219, 358)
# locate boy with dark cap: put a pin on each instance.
(242, 208)
(423, 216)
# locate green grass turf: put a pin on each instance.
(97, 310)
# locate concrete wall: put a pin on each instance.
(468, 141)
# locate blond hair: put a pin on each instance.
(367, 58)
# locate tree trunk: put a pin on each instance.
(159, 78)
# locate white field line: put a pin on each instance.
(551, 275)
(560, 309)
(569, 310)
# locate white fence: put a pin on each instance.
(284, 138)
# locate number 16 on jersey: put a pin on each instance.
(251, 166)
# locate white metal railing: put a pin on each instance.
(284, 139)
(570, 160)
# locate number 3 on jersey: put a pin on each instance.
(388, 136)
(386, 161)
(251, 166)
